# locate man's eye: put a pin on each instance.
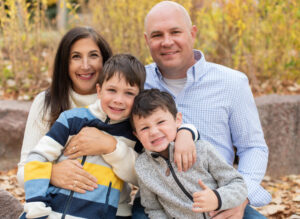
(161, 121)
(176, 32)
(156, 35)
(111, 90)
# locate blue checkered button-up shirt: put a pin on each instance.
(219, 102)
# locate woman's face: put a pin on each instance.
(85, 65)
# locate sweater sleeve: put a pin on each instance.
(122, 160)
(36, 128)
(38, 167)
(231, 186)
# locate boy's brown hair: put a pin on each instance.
(147, 101)
(125, 65)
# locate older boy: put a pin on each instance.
(155, 121)
(122, 78)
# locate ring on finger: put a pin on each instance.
(75, 183)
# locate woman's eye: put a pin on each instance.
(111, 90)
(162, 121)
(94, 55)
(75, 56)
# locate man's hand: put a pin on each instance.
(205, 200)
(69, 174)
(233, 213)
(90, 141)
(185, 150)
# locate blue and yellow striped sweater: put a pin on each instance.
(100, 203)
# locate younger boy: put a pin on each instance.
(122, 78)
(211, 184)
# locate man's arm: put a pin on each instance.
(248, 138)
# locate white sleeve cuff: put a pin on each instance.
(117, 154)
(192, 129)
(36, 209)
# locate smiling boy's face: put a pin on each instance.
(157, 130)
(117, 97)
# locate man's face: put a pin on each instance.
(170, 40)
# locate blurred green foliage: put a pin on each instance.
(260, 38)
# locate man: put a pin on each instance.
(216, 99)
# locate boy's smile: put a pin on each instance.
(157, 130)
(117, 97)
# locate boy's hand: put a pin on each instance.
(205, 200)
(185, 150)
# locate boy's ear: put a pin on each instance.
(98, 88)
(134, 132)
(178, 119)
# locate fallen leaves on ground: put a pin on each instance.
(8, 182)
(285, 197)
(285, 194)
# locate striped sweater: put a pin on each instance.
(44, 199)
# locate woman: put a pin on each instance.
(79, 59)
(78, 63)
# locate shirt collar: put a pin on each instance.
(98, 112)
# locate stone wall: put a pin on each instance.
(13, 115)
(279, 117)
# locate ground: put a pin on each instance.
(285, 194)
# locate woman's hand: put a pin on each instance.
(69, 174)
(90, 141)
(185, 150)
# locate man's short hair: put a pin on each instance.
(148, 101)
(171, 4)
(125, 65)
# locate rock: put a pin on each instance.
(279, 115)
(13, 116)
(10, 207)
(280, 119)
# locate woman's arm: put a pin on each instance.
(35, 129)
(61, 176)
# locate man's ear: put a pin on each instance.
(146, 38)
(178, 119)
(98, 88)
(194, 32)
